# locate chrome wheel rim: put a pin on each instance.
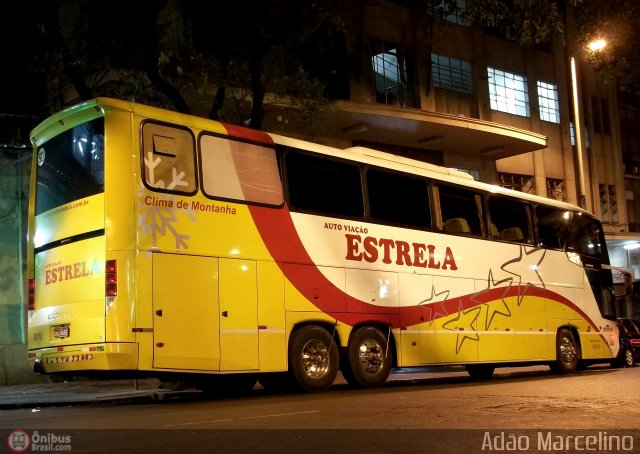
(315, 359)
(371, 356)
(568, 351)
(628, 357)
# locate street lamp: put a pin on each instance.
(597, 44)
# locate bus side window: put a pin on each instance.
(586, 237)
(460, 210)
(324, 185)
(510, 220)
(237, 170)
(553, 226)
(168, 158)
(398, 199)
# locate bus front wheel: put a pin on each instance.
(313, 358)
(567, 352)
(629, 361)
(368, 359)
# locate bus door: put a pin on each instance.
(185, 312)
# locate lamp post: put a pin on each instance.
(577, 125)
(593, 46)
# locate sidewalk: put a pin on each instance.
(114, 391)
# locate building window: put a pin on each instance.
(474, 173)
(457, 14)
(390, 71)
(508, 92)
(555, 189)
(572, 133)
(452, 74)
(517, 182)
(548, 102)
(608, 203)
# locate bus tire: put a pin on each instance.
(313, 358)
(480, 371)
(368, 359)
(567, 352)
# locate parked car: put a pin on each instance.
(629, 342)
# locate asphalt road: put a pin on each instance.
(443, 416)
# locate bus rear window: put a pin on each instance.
(70, 166)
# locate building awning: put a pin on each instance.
(414, 128)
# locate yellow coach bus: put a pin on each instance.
(163, 243)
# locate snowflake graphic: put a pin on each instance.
(151, 163)
(162, 219)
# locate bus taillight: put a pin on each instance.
(31, 295)
(111, 278)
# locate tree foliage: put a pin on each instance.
(213, 59)
(520, 21)
(616, 22)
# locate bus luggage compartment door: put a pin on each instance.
(185, 312)
(238, 315)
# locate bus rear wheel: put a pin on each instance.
(368, 359)
(567, 352)
(313, 358)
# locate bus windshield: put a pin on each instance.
(70, 166)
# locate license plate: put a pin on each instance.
(60, 331)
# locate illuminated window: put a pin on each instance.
(548, 102)
(391, 73)
(508, 92)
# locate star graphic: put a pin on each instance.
(433, 314)
(491, 284)
(529, 259)
(466, 327)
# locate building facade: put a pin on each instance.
(532, 118)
